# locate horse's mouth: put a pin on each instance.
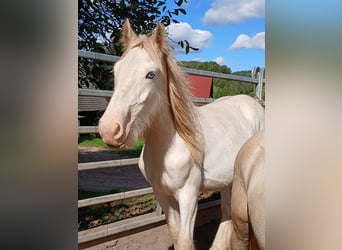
(116, 146)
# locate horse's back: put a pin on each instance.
(250, 108)
(236, 108)
(244, 105)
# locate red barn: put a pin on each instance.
(200, 86)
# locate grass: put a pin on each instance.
(93, 141)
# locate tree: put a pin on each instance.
(100, 25)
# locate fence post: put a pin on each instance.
(258, 73)
(159, 210)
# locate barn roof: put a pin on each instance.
(201, 86)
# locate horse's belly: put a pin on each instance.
(219, 158)
(217, 177)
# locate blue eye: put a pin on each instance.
(150, 75)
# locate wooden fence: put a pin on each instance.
(119, 228)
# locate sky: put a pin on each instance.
(230, 32)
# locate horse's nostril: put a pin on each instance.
(116, 129)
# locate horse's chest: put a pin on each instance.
(166, 174)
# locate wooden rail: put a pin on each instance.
(206, 213)
(114, 197)
(107, 164)
(113, 59)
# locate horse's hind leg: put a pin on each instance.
(221, 240)
(240, 231)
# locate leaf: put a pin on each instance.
(196, 49)
(187, 50)
(183, 11)
(187, 43)
(179, 3)
(161, 3)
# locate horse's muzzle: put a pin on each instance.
(112, 134)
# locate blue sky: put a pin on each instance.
(230, 32)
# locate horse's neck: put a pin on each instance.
(161, 131)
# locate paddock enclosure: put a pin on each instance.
(132, 233)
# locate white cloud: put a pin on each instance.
(183, 31)
(219, 60)
(224, 12)
(197, 59)
(245, 42)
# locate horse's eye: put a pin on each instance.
(150, 75)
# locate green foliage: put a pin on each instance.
(209, 66)
(134, 152)
(227, 87)
(91, 141)
(100, 26)
(100, 22)
(95, 141)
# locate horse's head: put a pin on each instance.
(139, 88)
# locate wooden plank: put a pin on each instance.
(111, 58)
(114, 197)
(206, 213)
(242, 79)
(119, 227)
(107, 164)
(107, 93)
(95, 92)
(88, 129)
(98, 56)
(202, 100)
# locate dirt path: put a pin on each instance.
(106, 179)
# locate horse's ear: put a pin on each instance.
(159, 35)
(128, 34)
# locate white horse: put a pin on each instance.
(247, 227)
(187, 149)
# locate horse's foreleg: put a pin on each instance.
(171, 210)
(188, 211)
(221, 240)
(173, 222)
